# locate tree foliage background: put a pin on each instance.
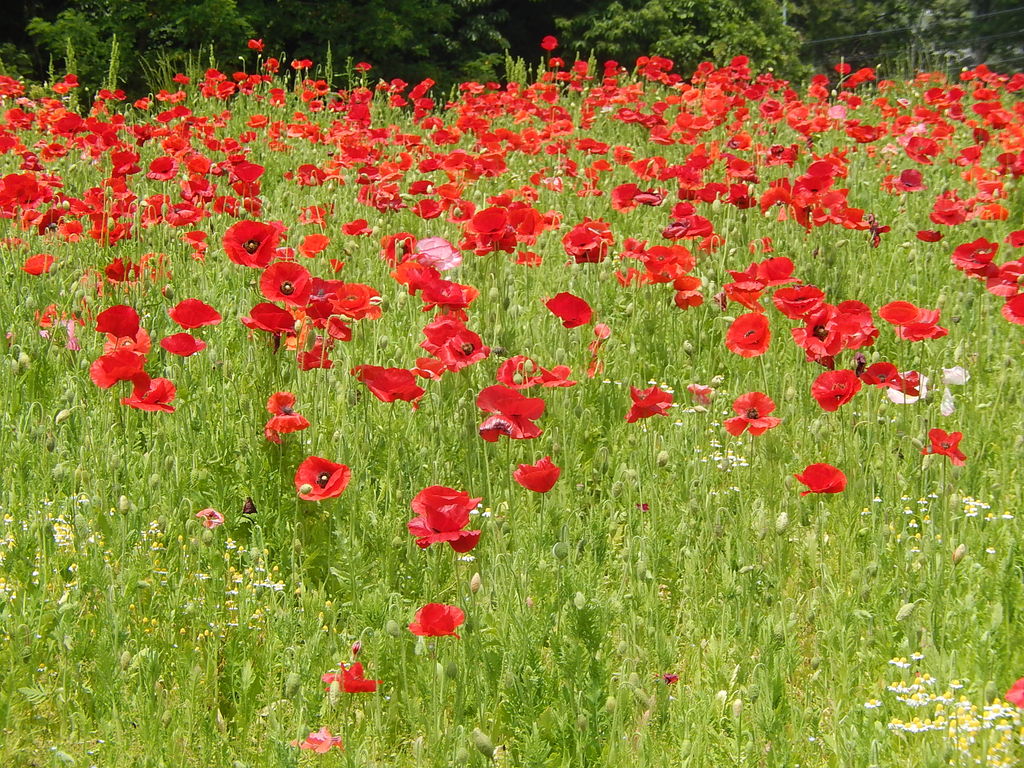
(140, 44)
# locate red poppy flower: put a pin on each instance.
(1013, 309)
(38, 264)
(912, 323)
(284, 418)
(287, 282)
(752, 411)
(539, 477)
(883, 375)
(441, 515)
(390, 384)
(437, 620)
(648, 402)
(929, 236)
(314, 244)
(701, 393)
(798, 302)
(192, 313)
(1016, 693)
(321, 479)
(549, 42)
(351, 680)
(120, 321)
(571, 310)
(115, 366)
(182, 344)
(270, 318)
(317, 356)
(151, 394)
(835, 388)
(513, 414)
(822, 478)
(946, 444)
(453, 343)
(588, 241)
(749, 335)
(520, 372)
(252, 243)
(321, 741)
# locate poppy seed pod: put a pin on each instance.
(483, 743)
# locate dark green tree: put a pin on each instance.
(686, 31)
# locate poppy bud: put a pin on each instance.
(165, 720)
(62, 416)
(475, 583)
(392, 628)
(662, 459)
(781, 522)
(906, 611)
(125, 660)
(958, 553)
(688, 347)
(305, 489)
(580, 601)
(334, 693)
(222, 724)
(610, 704)
(560, 550)
(737, 708)
(292, 684)
(356, 648)
(24, 361)
(483, 743)
(383, 342)
(155, 480)
(451, 670)
(991, 692)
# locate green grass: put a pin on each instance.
(132, 636)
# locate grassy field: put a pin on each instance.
(177, 577)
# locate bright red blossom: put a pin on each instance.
(442, 514)
(437, 620)
(822, 478)
(321, 478)
(752, 411)
(539, 477)
(835, 388)
(946, 444)
(351, 680)
(648, 402)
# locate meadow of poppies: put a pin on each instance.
(604, 416)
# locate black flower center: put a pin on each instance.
(820, 332)
(467, 348)
(287, 288)
(753, 414)
(251, 246)
(322, 479)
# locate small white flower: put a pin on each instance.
(947, 406)
(956, 376)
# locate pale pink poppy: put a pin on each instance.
(438, 253)
(211, 517)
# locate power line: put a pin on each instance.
(892, 30)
